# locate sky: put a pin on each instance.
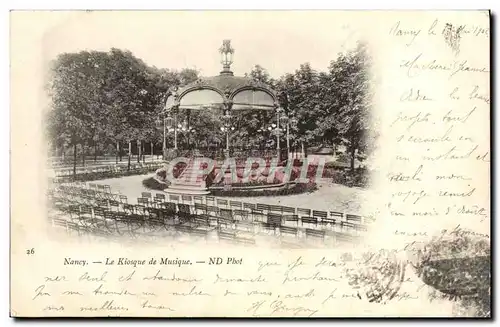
(279, 41)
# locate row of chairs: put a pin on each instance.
(306, 215)
(255, 213)
(183, 218)
(253, 210)
(96, 191)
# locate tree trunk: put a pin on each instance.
(95, 151)
(74, 159)
(143, 147)
(117, 151)
(139, 152)
(83, 154)
(129, 153)
(152, 151)
(353, 156)
(120, 151)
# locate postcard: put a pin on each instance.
(250, 164)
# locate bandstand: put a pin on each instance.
(224, 95)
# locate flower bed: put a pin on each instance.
(289, 189)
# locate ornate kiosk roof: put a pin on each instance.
(224, 91)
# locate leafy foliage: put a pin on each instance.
(109, 98)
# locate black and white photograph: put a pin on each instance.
(141, 151)
(240, 156)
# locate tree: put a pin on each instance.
(351, 75)
(303, 98)
(74, 86)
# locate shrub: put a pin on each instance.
(295, 189)
(358, 178)
(153, 184)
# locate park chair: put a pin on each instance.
(156, 222)
(58, 222)
(114, 205)
(267, 228)
(109, 222)
(146, 195)
(198, 199)
(263, 207)
(315, 233)
(275, 209)
(184, 213)
(202, 220)
(343, 238)
(303, 212)
(159, 197)
(319, 214)
(336, 215)
(140, 210)
(309, 220)
(242, 214)
(74, 211)
(99, 212)
(249, 206)
(213, 209)
(222, 202)
(103, 203)
(128, 208)
(245, 225)
(210, 200)
(244, 240)
(200, 208)
(213, 212)
(288, 210)
(354, 218)
(226, 236)
(285, 230)
(86, 212)
(257, 214)
(274, 219)
(155, 212)
(226, 217)
(143, 201)
(347, 225)
(123, 222)
(305, 216)
(236, 204)
(201, 214)
(291, 218)
(169, 209)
